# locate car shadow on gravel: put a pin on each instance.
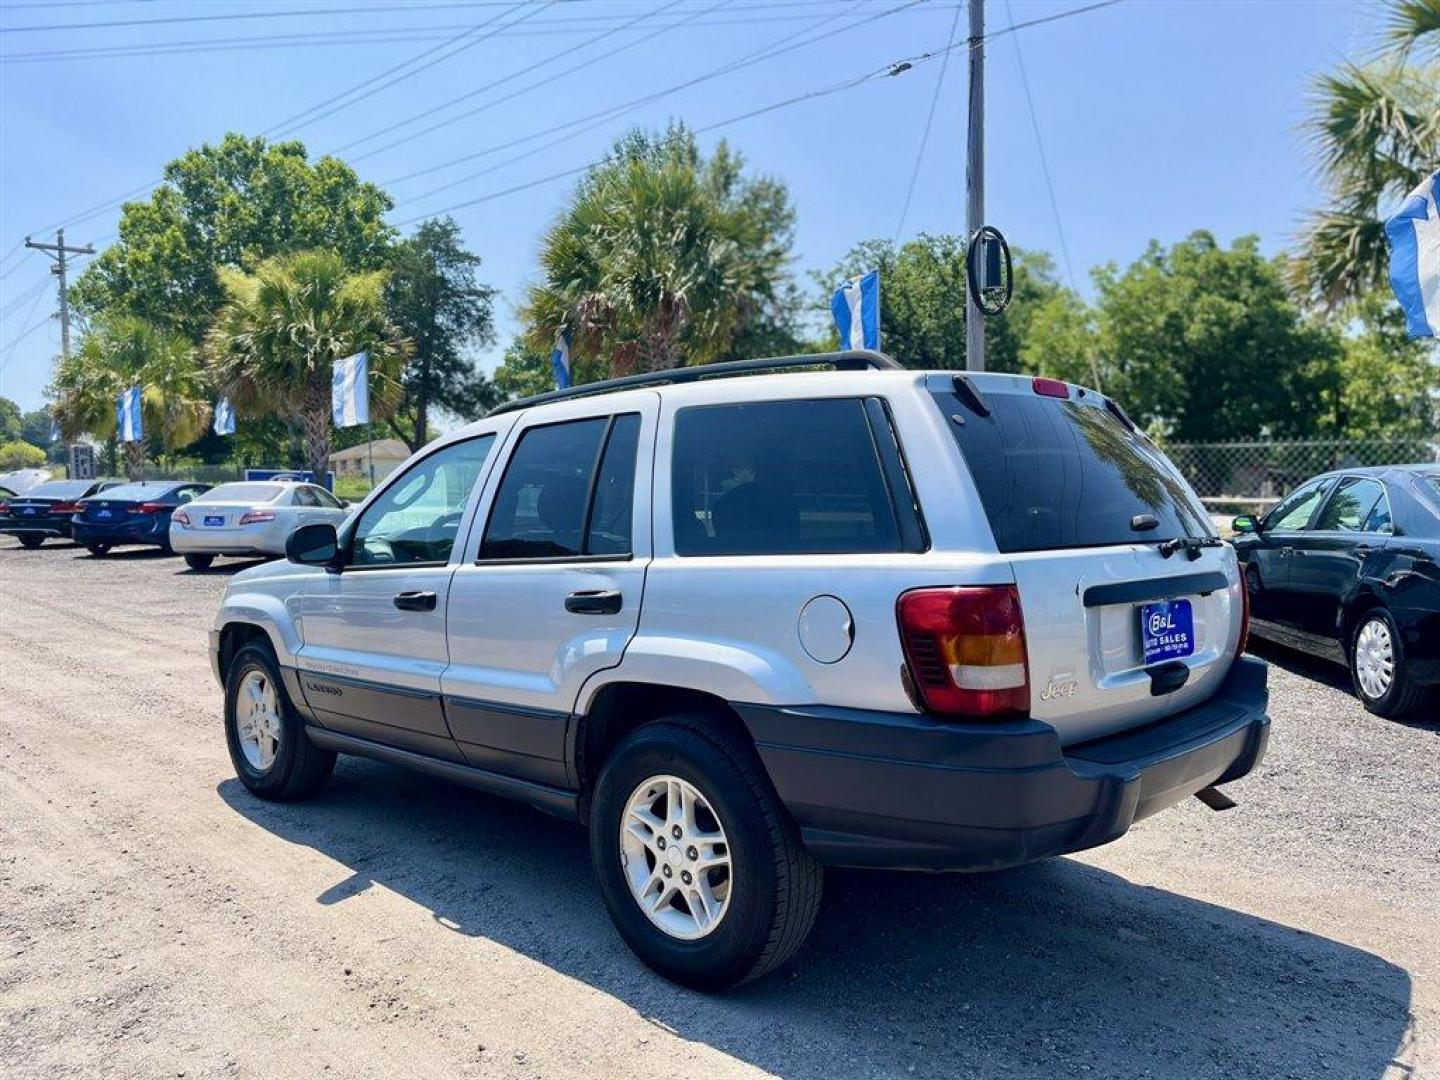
(1057, 969)
(1329, 674)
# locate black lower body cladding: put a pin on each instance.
(908, 791)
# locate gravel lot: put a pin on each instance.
(155, 920)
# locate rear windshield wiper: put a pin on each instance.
(1191, 545)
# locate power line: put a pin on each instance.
(501, 81)
(24, 294)
(896, 68)
(370, 89)
(1040, 146)
(10, 348)
(350, 38)
(929, 121)
(784, 45)
(608, 113)
(249, 15)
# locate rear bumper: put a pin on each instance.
(197, 542)
(906, 790)
(39, 528)
(123, 533)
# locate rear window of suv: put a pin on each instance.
(1060, 473)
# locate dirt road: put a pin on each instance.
(155, 920)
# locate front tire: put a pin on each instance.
(199, 562)
(31, 542)
(735, 894)
(98, 550)
(1378, 670)
(272, 755)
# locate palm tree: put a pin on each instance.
(117, 354)
(274, 344)
(1374, 131)
(662, 258)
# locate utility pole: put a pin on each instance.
(975, 179)
(58, 251)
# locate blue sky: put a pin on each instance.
(1158, 116)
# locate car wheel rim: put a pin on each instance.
(257, 720)
(676, 857)
(1374, 658)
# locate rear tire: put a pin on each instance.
(1391, 693)
(199, 562)
(772, 884)
(98, 550)
(284, 764)
(31, 542)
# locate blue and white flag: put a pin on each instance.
(350, 391)
(54, 429)
(224, 417)
(127, 416)
(560, 360)
(856, 306)
(1414, 234)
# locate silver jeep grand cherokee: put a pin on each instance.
(746, 627)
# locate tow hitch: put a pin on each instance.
(1216, 799)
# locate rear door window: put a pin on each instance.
(786, 478)
(1351, 507)
(1060, 473)
(568, 492)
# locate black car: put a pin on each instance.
(1348, 567)
(44, 512)
(134, 513)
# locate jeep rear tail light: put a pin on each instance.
(966, 649)
(255, 517)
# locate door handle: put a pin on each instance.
(415, 601)
(594, 602)
(1286, 552)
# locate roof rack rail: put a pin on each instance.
(852, 360)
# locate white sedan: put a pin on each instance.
(248, 519)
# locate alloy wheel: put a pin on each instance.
(257, 720)
(676, 857)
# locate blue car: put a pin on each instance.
(137, 513)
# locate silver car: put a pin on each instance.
(249, 519)
(749, 620)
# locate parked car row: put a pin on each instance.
(197, 520)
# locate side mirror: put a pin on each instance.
(1245, 524)
(313, 545)
(344, 504)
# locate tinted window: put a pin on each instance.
(59, 489)
(779, 477)
(1055, 473)
(138, 492)
(416, 518)
(539, 511)
(304, 496)
(1351, 506)
(241, 493)
(613, 509)
(323, 498)
(1294, 512)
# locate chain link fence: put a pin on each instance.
(1239, 476)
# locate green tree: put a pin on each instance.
(275, 342)
(1205, 343)
(922, 301)
(16, 454)
(437, 302)
(1374, 130)
(122, 352)
(1386, 385)
(11, 420)
(231, 205)
(664, 258)
(525, 372)
(35, 428)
